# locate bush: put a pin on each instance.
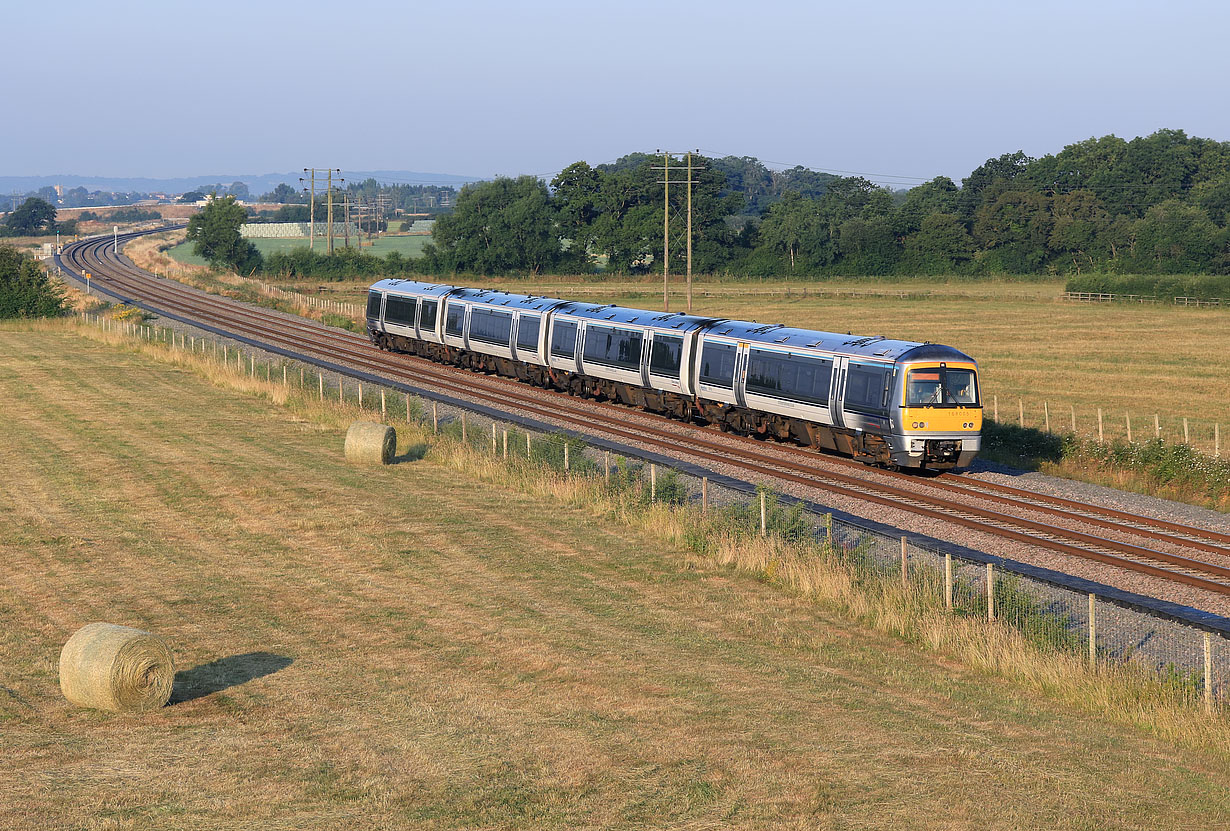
(25, 289)
(1164, 287)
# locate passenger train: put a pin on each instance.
(886, 402)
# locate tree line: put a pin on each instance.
(1153, 205)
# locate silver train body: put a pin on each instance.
(888, 402)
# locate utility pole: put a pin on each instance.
(666, 231)
(346, 204)
(311, 211)
(312, 204)
(690, 183)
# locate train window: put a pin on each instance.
(940, 387)
(867, 388)
(961, 386)
(564, 339)
(527, 332)
(453, 319)
(613, 347)
(793, 377)
(491, 327)
(665, 355)
(400, 310)
(717, 364)
(373, 305)
(427, 316)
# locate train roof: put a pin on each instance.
(608, 312)
(494, 297)
(412, 287)
(853, 346)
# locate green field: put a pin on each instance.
(409, 647)
(407, 245)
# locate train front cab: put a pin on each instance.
(940, 415)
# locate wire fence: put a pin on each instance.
(1184, 650)
(1107, 425)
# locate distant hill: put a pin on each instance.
(257, 183)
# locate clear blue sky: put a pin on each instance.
(913, 89)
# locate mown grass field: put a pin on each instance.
(410, 649)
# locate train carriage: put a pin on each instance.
(888, 402)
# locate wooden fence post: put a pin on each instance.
(990, 592)
(905, 565)
(1157, 427)
(1128, 416)
(606, 466)
(463, 425)
(567, 460)
(285, 383)
(1208, 672)
(1093, 630)
(505, 442)
(384, 412)
(435, 417)
(763, 528)
(995, 401)
(1073, 406)
(360, 395)
(407, 408)
(341, 391)
(704, 494)
(1101, 436)
(252, 365)
(1186, 440)
(948, 580)
(1217, 440)
(653, 482)
(320, 378)
(1046, 414)
(1021, 412)
(494, 446)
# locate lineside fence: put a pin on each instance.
(1180, 652)
(1104, 297)
(1108, 425)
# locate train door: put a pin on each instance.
(741, 358)
(838, 394)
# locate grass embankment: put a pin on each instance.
(408, 245)
(458, 643)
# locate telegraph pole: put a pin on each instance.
(666, 231)
(311, 211)
(690, 183)
(346, 204)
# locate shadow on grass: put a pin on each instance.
(224, 673)
(413, 453)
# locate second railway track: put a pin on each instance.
(1183, 556)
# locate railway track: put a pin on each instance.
(1178, 553)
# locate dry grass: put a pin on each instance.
(407, 647)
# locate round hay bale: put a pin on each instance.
(370, 443)
(116, 668)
